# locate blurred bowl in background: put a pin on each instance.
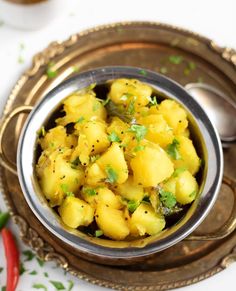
(32, 14)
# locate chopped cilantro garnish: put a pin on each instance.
(64, 188)
(111, 174)
(126, 96)
(175, 59)
(4, 288)
(132, 205)
(139, 130)
(173, 150)
(21, 60)
(75, 69)
(40, 262)
(143, 72)
(113, 137)
(29, 255)
(51, 73)
(71, 285)
(179, 171)
(33, 272)
(163, 70)
(139, 148)
(193, 194)
(98, 233)
(58, 285)
(40, 286)
(153, 101)
(22, 269)
(167, 198)
(80, 119)
(1, 269)
(94, 158)
(90, 191)
(131, 107)
(96, 106)
(91, 86)
(45, 274)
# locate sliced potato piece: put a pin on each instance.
(130, 190)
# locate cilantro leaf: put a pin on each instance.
(193, 194)
(139, 148)
(33, 272)
(113, 137)
(175, 59)
(173, 150)
(4, 288)
(29, 255)
(22, 269)
(45, 274)
(65, 189)
(139, 130)
(178, 171)
(51, 73)
(71, 285)
(163, 70)
(125, 96)
(143, 72)
(131, 108)
(153, 101)
(41, 132)
(111, 174)
(98, 233)
(40, 286)
(58, 285)
(81, 119)
(90, 191)
(94, 158)
(167, 198)
(132, 205)
(40, 262)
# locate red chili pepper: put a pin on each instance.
(12, 258)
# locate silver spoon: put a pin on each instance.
(220, 109)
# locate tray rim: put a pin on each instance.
(28, 235)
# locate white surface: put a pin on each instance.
(214, 19)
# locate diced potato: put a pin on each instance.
(124, 90)
(76, 212)
(158, 129)
(54, 170)
(151, 166)
(113, 159)
(189, 158)
(107, 197)
(112, 222)
(93, 139)
(95, 175)
(57, 137)
(131, 190)
(145, 220)
(186, 188)
(82, 105)
(170, 185)
(175, 115)
(118, 126)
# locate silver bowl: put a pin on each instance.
(206, 141)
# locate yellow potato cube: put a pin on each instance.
(145, 220)
(107, 197)
(95, 175)
(112, 222)
(76, 212)
(130, 190)
(151, 166)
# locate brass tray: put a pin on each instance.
(147, 45)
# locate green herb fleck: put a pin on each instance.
(80, 119)
(75, 69)
(22, 269)
(139, 130)
(40, 262)
(111, 174)
(132, 205)
(45, 274)
(173, 150)
(163, 70)
(143, 72)
(65, 189)
(29, 255)
(167, 198)
(71, 285)
(139, 148)
(4, 288)
(113, 137)
(21, 60)
(153, 101)
(1, 269)
(57, 285)
(4, 217)
(91, 86)
(40, 286)
(193, 194)
(90, 191)
(104, 102)
(98, 233)
(41, 132)
(131, 107)
(126, 96)
(51, 73)
(33, 273)
(175, 59)
(178, 171)
(94, 158)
